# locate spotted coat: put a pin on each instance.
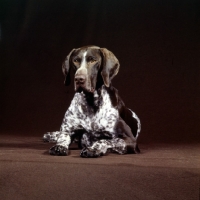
(96, 124)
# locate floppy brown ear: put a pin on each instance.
(66, 68)
(110, 66)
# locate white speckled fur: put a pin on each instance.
(138, 122)
(100, 123)
(78, 115)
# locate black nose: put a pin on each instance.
(80, 79)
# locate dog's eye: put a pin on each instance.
(91, 59)
(77, 60)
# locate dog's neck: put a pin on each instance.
(94, 99)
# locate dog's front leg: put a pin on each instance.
(70, 124)
(62, 146)
(51, 137)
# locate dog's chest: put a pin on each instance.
(104, 119)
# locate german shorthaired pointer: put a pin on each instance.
(97, 116)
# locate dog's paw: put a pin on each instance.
(58, 150)
(86, 153)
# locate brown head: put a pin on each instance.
(93, 66)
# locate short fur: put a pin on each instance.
(97, 116)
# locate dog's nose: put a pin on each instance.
(80, 79)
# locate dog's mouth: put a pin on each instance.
(84, 89)
(85, 85)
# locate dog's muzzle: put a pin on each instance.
(80, 80)
(81, 84)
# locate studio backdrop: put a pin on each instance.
(157, 44)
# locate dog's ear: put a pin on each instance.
(110, 66)
(66, 68)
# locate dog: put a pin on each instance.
(97, 117)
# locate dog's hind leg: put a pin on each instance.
(125, 132)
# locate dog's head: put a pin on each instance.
(93, 66)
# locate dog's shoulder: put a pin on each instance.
(114, 97)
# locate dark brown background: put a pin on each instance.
(156, 42)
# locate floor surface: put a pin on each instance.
(161, 171)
